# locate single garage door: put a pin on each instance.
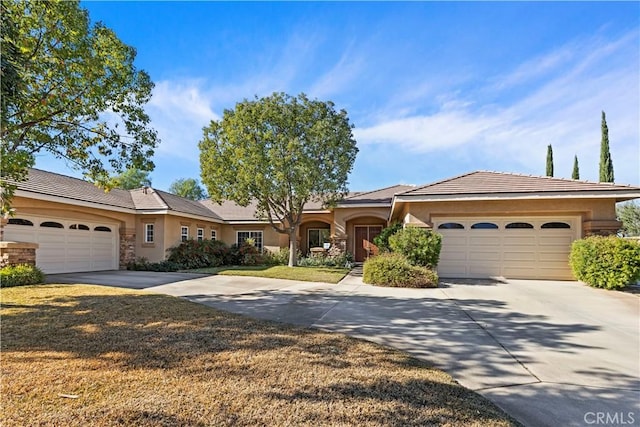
(510, 247)
(67, 245)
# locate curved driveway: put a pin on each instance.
(549, 353)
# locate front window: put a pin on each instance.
(214, 235)
(184, 233)
(317, 237)
(148, 233)
(255, 236)
(200, 234)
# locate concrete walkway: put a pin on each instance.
(549, 353)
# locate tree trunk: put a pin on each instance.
(293, 247)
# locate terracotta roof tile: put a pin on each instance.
(487, 183)
(184, 205)
(382, 196)
(231, 211)
(53, 184)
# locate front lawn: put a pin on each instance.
(305, 274)
(77, 355)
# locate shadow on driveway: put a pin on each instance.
(122, 278)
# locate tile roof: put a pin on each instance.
(381, 196)
(231, 211)
(487, 183)
(53, 184)
(152, 199)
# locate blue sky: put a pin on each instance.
(434, 89)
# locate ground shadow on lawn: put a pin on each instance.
(461, 335)
(362, 384)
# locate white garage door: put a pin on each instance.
(517, 248)
(67, 245)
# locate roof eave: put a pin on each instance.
(618, 195)
(177, 213)
(67, 200)
(364, 205)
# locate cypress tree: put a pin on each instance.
(606, 164)
(576, 170)
(549, 160)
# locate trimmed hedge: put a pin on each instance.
(606, 262)
(420, 246)
(20, 275)
(393, 269)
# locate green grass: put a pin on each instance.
(304, 274)
(78, 355)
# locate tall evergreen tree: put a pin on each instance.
(606, 164)
(549, 160)
(576, 169)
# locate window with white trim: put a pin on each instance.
(184, 233)
(214, 235)
(148, 233)
(256, 236)
(317, 237)
(200, 234)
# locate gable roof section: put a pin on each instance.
(382, 197)
(54, 187)
(150, 199)
(487, 185)
(231, 211)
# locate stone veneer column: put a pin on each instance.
(338, 245)
(127, 246)
(601, 227)
(13, 253)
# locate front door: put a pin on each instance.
(364, 235)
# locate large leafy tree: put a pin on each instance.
(606, 163)
(189, 188)
(281, 152)
(629, 214)
(131, 179)
(71, 89)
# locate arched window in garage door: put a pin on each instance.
(555, 225)
(79, 227)
(102, 228)
(20, 221)
(451, 226)
(519, 225)
(51, 224)
(484, 226)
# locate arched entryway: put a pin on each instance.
(314, 234)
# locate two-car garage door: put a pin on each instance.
(510, 247)
(67, 245)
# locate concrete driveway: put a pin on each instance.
(549, 353)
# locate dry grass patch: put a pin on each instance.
(304, 274)
(133, 358)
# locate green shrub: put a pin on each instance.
(341, 260)
(605, 262)
(200, 254)
(281, 257)
(420, 246)
(19, 275)
(244, 254)
(393, 269)
(382, 240)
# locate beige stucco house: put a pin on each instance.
(493, 224)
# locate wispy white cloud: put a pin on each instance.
(568, 89)
(342, 75)
(179, 111)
